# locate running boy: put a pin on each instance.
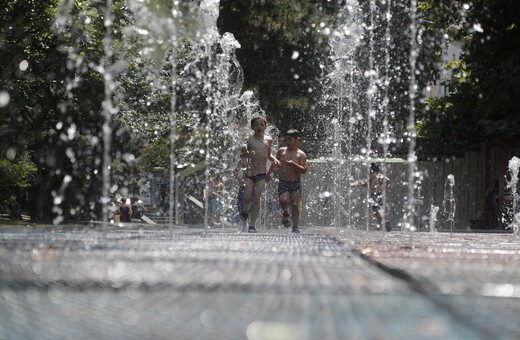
(259, 151)
(293, 164)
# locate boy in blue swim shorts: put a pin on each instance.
(293, 163)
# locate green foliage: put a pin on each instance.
(155, 156)
(483, 103)
(270, 32)
(56, 102)
(15, 176)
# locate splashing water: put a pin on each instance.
(433, 218)
(448, 204)
(512, 184)
(356, 98)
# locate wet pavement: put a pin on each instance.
(194, 283)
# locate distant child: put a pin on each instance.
(293, 164)
(259, 151)
(213, 193)
(138, 209)
(125, 211)
(376, 182)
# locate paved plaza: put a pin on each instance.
(132, 282)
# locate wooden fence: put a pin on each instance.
(333, 196)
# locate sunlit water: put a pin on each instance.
(512, 184)
(136, 281)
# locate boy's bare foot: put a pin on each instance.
(285, 220)
(252, 230)
(295, 230)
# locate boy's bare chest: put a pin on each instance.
(258, 145)
(290, 155)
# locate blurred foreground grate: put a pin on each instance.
(64, 283)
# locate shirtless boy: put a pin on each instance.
(259, 151)
(293, 163)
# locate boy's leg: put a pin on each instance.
(379, 218)
(258, 189)
(296, 197)
(248, 193)
(285, 201)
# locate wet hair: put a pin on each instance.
(212, 171)
(374, 167)
(257, 116)
(293, 133)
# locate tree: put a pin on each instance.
(15, 178)
(483, 103)
(285, 55)
(283, 43)
(55, 93)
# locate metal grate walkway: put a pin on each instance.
(84, 283)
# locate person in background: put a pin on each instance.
(125, 211)
(376, 182)
(138, 209)
(113, 210)
(213, 191)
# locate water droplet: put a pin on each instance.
(4, 98)
(24, 64)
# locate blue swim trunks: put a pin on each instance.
(284, 187)
(257, 178)
(214, 205)
(376, 201)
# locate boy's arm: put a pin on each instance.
(240, 164)
(275, 165)
(271, 169)
(268, 174)
(388, 187)
(271, 157)
(303, 163)
(301, 166)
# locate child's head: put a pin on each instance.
(258, 118)
(293, 133)
(292, 138)
(374, 167)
